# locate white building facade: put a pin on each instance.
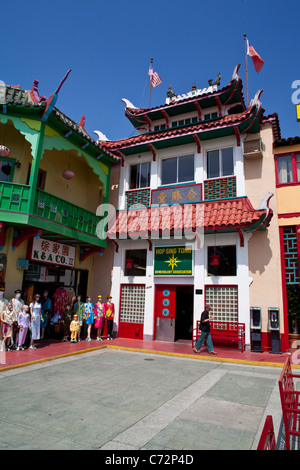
(184, 219)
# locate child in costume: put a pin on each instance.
(74, 328)
(109, 316)
(79, 311)
(99, 317)
(89, 316)
(24, 323)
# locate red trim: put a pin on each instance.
(24, 235)
(166, 118)
(198, 110)
(288, 215)
(148, 122)
(116, 245)
(150, 244)
(121, 156)
(197, 140)
(285, 336)
(152, 150)
(2, 233)
(219, 106)
(242, 244)
(90, 252)
(237, 135)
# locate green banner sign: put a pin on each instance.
(173, 261)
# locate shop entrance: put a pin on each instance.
(174, 312)
(41, 277)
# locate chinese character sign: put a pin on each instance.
(177, 195)
(48, 251)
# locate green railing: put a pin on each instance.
(59, 210)
(15, 198)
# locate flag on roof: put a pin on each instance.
(154, 77)
(257, 60)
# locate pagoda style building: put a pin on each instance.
(53, 176)
(197, 219)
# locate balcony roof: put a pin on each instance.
(209, 216)
(27, 103)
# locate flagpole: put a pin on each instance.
(151, 67)
(245, 40)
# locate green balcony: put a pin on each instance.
(50, 213)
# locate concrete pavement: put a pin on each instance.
(112, 399)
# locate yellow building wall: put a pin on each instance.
(13, 277)
(85, 190)
(288, 198)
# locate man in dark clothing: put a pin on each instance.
(205, 332)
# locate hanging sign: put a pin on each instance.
(176, 195)
(173, 261)
(48, 251)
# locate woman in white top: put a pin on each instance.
(35, 312)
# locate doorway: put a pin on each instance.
(174, 305)
(184, 312)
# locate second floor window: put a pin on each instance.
(288, 169)
(220, 163)
(140, 175)
(6, 169)
(177, 170)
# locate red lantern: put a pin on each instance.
(129, 263)
(4, 151)
(68, 174)
(214, 260)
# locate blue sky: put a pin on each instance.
(108, 46)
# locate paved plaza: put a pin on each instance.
(111, 399)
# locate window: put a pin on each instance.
(40, 184)
(288, 169)
(7, 166)
(224, 263)
(135, 263)
(177, 170)
(132, 306)
(223, 302)
(140, 175)
(220, 163)
(285, 169)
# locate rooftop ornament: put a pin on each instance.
(216, 82)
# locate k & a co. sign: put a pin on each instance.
(48, 251)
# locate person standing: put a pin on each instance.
(46, 308)
(89, 314)
(99, 317)
(24, 323)
(35, 312)
(205, 332)
(109, 317)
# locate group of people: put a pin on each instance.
(18, 320)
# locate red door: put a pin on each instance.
(165, 303)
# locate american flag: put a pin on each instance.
(154, 77)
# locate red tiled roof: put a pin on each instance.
(208, 216)
(229, 120)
